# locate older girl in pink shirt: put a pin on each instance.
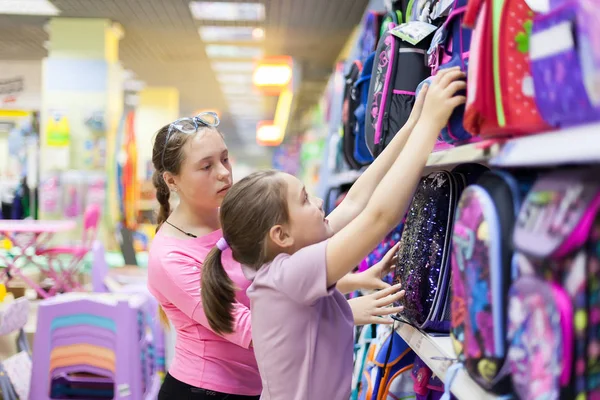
(191, 159)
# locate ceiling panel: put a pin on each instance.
(163, 47)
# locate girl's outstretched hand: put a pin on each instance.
(417, 109)
(441, 97)
(372, 278)
(375, 308)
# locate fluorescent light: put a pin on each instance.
(231, 51)
(235, 78)
(237, 89)
(28, 7)
(227, 11)
(230, 33)
(232, 66)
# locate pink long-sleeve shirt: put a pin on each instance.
(202, 358)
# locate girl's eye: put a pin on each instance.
(306, 197)
(226, 160)
(206, 167)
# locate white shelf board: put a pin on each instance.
(574, 145)
(437, 353)
(474, 152)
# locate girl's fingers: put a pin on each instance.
(457, 101)
(450, 77)
(388, 311)
(455, 87)
(441, 75)
(386, 292)
(380, 320)
(390, 299)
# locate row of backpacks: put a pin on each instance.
(386, 368)
(531, 67)
(508, 263)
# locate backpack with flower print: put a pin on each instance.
(482, 274)
(554, 306)
(500, 89)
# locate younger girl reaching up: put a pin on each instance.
(301, 324)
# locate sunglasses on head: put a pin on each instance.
(190, 126)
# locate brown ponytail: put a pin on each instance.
(249, 210)
(218, 293)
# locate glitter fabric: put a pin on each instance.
(423, 256)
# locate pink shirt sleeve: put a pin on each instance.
(303, 275)
(181, 286)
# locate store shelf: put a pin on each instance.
(476, 152)
(438, 354)
(576, 145)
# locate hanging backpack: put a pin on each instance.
(450, 48)
(554, 324)
(389, 375)
(349, 121)
(398, 69)
(423, 262)
(427, 386)
(500, 90)
(423, 255)
(362, 154)
(482, 272)
(370, 34)
(565, 62)
(367, 335)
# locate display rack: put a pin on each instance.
(576, 145)
(438, 354)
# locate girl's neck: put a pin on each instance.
(199, 222)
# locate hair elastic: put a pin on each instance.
(222, 244)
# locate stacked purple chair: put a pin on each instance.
(94, 346)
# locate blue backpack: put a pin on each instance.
(361, 93)
(389, 375)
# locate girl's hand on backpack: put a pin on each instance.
(376, 308)
(441, 98)
(415, 114)
(372, 279)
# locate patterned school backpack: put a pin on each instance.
(554, 306)
(389, 375)
(350, 124)
(500, 90)
(398, 69)
(565, 62)
(450, 48)
(481, 275)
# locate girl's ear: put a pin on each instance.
(280, 237)
(169, 179)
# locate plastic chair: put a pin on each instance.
(65, 275)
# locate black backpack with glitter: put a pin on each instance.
(423, 265)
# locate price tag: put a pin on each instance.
(413, 32)
(2, 292)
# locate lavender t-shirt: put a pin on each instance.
(301, 330)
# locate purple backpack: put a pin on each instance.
(565, 62)
(554, 306)
(450, 48)
(426, 385)
(482, 257)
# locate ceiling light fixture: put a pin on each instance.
(231, 51)
(28, 7)
(235, 78)
(232, 66)
(229, 34)
(227, 11)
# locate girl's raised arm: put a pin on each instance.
(393, 194)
